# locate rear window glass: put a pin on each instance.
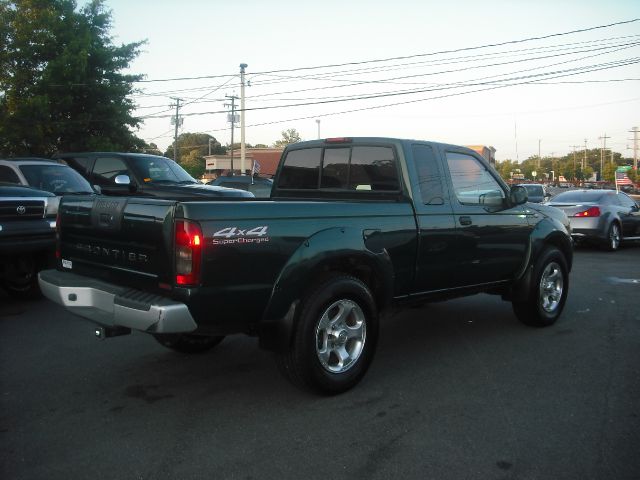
(301, 169)
(579, 196)
(344, 168)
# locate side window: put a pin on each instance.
(472, 183)
(373, 168)
(335, 168)
(79, 164)
(301, 169)
(107, 169)
(8, 175)
(429, 175)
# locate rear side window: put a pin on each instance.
(80, 164)
(358, 168)
(429, 175)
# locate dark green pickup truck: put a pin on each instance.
(353, 227)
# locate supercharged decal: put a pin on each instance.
(239, 236)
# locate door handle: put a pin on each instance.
(464, 220)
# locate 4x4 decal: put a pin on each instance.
(235, 235)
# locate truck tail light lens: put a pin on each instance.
(188, 243)
(337, 140)
(591, 212)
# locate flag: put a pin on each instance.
(622, 179)
(256, 167)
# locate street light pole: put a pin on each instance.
(242, 119)
(318, 122)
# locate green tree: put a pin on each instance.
(288, 137)
(61, 81)
(193, 163)
(195, 141)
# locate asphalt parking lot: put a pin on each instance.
(458, 390)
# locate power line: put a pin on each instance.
(576, 70)
(404, 57)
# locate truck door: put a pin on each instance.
(492, 235)
(437, 250)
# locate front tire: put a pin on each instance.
(335, 337)
(21, 278)
(549, 289)
(187, 343)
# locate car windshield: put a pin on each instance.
(55, 178)
(578, 197)
(535, 190)
(160, 170)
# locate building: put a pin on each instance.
(488, 153)
(259, 160)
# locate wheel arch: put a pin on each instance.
(336, 250)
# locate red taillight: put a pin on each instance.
(188, 252)
(591, 212)
(337, 140)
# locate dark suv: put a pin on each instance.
(27, 237)
(139, 174)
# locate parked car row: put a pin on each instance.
(604, 217)
(31, 189)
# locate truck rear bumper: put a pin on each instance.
(112, 305)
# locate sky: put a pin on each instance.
(550, 94)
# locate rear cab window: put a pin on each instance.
(358, 169)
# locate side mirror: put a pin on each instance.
(122, 180)
(518, 195)
(98, 189)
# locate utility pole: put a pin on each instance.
(318, 122)
(233, 99)
(574, 159)
(177, 122)
(242, 119)
(584, 161)
(539, 157)
(604, 146)
(635, 131)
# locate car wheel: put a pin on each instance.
(187, 343)
(21, 278)
(335, 337)
(614, 237)
(549, 289)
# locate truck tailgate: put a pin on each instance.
(122, 240)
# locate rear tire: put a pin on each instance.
(549, 289)
(335, 337)
(187, 343)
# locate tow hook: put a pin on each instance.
(108, 332)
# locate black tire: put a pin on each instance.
(187, 343)
(21, 278)
(544, 306)
(311, 363)
(614, 237)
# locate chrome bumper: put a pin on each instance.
(115, 306)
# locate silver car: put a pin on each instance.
(603, 216)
